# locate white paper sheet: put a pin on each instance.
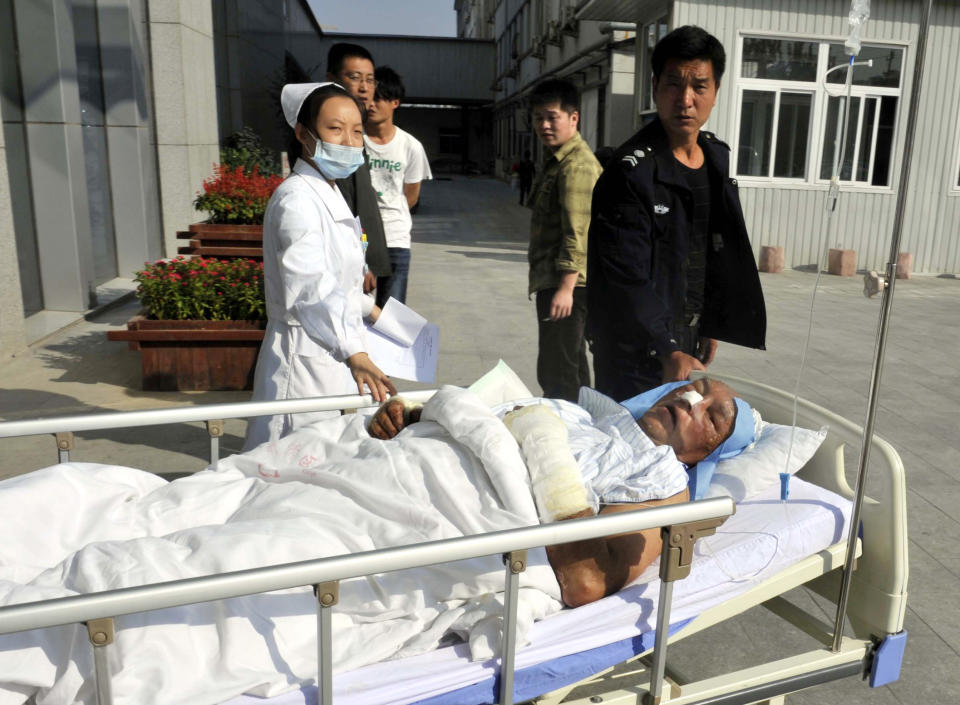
(400, 322)
(417, 362)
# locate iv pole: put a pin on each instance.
(885, 304)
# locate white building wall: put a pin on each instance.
(185, 101)
(619, 102)
(792, 216)
(12, 334)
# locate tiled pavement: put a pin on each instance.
(469, 276)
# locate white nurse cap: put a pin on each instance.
(293, 95)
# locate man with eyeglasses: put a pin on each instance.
(351, 66)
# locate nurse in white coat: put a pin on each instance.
(313, 268)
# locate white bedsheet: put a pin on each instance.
(762, 538)
(328, 490)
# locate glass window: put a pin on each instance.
(793, 135)
(756, 133)
(885, 72)
(786, 127)
(759, 112)
(869, 142)
(779, 59)
(649, 36)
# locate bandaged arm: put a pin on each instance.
(593, 568)
(557, 484)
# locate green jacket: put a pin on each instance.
(561, 214)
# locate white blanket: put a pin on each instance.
(329, 489)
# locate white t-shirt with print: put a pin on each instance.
(400, 161)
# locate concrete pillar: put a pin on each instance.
(842, 262)
(771, 259)
(125, 61)
(51, 113)
(185, 104)
(904, 265)
(12, 335)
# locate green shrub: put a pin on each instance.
(202, 288)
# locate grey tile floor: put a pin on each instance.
(469, 276)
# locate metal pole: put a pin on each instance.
(102, 670)
(516, 563)
(101, 633)
(214, 430)
(328, 594)
(156, 417)
(660, 644)
(78, 608)
(881, 344)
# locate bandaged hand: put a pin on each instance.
(558, 488)
(393, 416)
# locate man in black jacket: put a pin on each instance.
(669, 262)
(351, 66)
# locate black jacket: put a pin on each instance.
(357, 190)
(641, 218)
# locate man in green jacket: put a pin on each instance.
(560, 200)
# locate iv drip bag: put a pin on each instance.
(859, 14)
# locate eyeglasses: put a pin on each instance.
(357, 78)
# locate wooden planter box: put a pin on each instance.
(222, 241)
(194, 355)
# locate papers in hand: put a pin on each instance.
(403, 344)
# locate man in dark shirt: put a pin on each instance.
(351, 66)
(670, 268)
(526, 170)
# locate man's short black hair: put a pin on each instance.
(555, 90)
(687, 43)
(389, 84)
(341, 51)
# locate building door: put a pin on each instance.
(589, 103)
(96, 163)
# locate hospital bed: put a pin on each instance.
(809, 547)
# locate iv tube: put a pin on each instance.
(859, 13)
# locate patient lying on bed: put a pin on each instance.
(699, 420)
(331, 489)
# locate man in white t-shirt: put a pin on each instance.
(398, 163)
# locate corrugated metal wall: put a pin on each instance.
(794, 216)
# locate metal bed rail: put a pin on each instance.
(680, 524)
(63, 427)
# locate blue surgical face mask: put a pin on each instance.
(336, 161)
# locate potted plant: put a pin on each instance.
(234, 199)
(201, 325)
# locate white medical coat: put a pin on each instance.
(313, 271)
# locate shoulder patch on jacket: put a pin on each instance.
(633, 158)
(716, 140)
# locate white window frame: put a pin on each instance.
(643, 70)
(818, 112)
(777, 88)
(953, 182)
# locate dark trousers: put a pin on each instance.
(562, 357)
(524, 190)
(396, 284)
(623, 372)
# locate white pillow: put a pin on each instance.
(760, 465)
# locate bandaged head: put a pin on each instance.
(678, 414)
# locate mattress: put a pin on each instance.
(764, 537)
